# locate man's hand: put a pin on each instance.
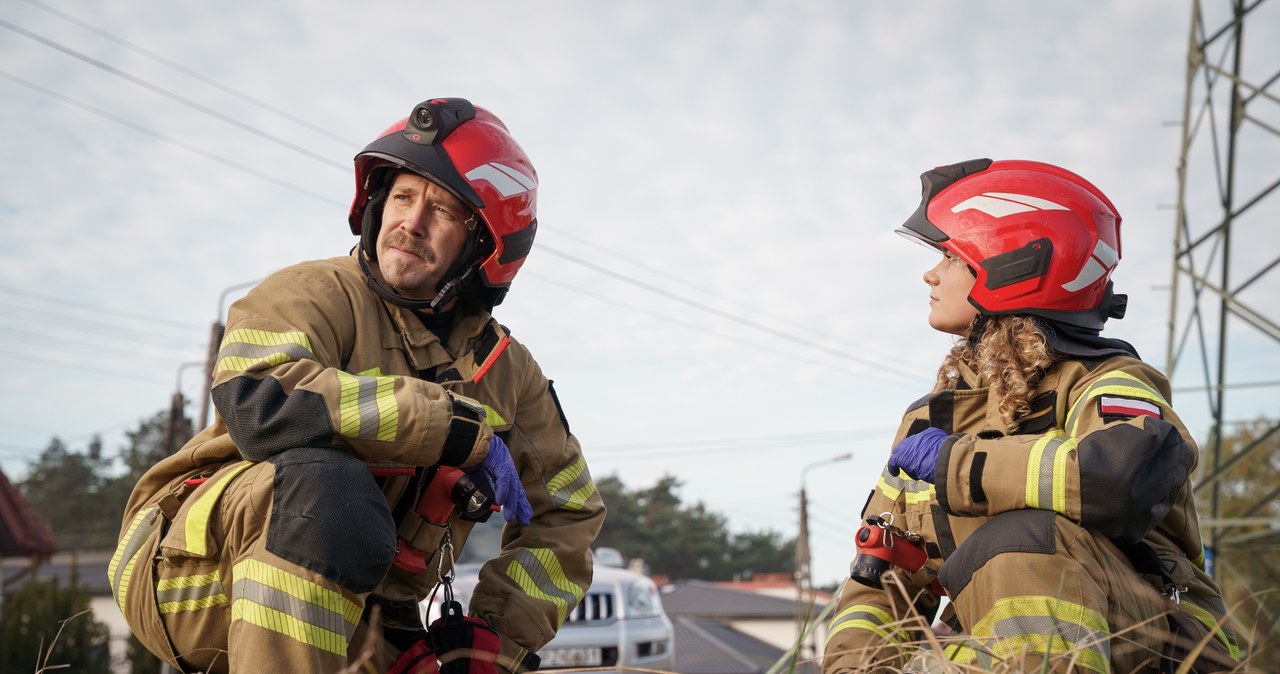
(917, 455)
(498, 479)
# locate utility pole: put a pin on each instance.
(806, 646)
(215, 341)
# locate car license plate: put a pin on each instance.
(571, 657)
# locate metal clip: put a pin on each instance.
(1174, 592)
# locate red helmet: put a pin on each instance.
(468, 151)
(1040, 239)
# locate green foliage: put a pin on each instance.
(74, 493)
(45, 625)
(684, 541)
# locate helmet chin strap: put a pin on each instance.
(447, 292)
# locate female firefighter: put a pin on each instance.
(1044, 482)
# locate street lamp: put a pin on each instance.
(804, 582)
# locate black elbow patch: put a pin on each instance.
(263, 420)
(1130, 476)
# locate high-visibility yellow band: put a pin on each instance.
(538, 572)
(1211, 623)
(245, 349)
(196, 528)
(367, 407)
(120, 569)
(1047, 626)
(571, 487)
(867, 617)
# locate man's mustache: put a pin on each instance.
(409, 244)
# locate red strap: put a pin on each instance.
(493, 358)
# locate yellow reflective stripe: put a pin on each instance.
(278, 621)
(282, 602)
(959, 653)
(120, 569)
(245, 349)
(1034, 466)
(866, 617)
(1047, 626)
(1062, 453)
(190, 593)
(893, 486)
(1114, 383)
(1199, 560)
(196, 527)
(571, 487)
(367, 407)
(1210, 622)
(538, 572)
(493, 418)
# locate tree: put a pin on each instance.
(682, 541)
(1247, 564)
(64, 488)
(92, 518)
(45, 625)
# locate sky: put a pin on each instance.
(716, 288)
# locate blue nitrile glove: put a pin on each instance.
(498, 479)
(918, 454)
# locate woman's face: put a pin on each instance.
(949, 283)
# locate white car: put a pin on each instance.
(619, 623)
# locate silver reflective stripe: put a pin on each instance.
(286, 603)
(256, 352)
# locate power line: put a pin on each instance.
(173, 141)
(79, 367)
(700, 329)
(702, 306)
(92, 307)
(193, 74)
(728, 316)
(87, 325)
(174, 97)
(94, 348)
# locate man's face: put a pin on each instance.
(424, 229)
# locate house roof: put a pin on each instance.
(702, 599)
(705, 646)
(22, 532)
(90, 567)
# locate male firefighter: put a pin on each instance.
(355, 396)
(1043, 484)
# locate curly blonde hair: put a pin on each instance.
(1010, 353)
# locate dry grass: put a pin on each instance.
(928, 656)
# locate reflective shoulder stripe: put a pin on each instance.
(367, 407)
(1211, 623)
(196, 529)
(571, 487)
(869, 618)
(1114, 383)
(1049, 626)
(245, 349)
(120, 569)
(276, 600)
(1047, 471)
(538, 572)
(190, 593)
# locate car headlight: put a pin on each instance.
(642, 599)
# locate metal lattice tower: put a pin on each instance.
(1224, 337)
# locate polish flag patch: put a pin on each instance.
(1113, 406)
